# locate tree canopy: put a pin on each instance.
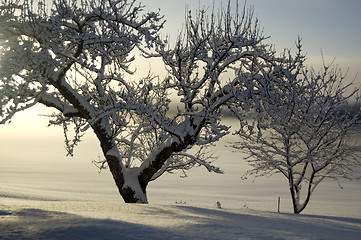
(303, 127)
(75, 56)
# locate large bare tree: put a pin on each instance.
(204, 74)
(76, 57)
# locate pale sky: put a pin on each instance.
(332, 26)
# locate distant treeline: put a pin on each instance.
(350, 110)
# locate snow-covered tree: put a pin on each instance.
(301, 127)
(76, 56)
(208, 68)
(163, 139)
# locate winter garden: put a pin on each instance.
(225, 91)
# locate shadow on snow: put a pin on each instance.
(206, 224)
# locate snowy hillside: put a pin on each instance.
(44, 195)
(34, 219)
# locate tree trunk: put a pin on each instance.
(295, 199)
(130, 189)
(132, 182)
(295, 194)
(128, 185)
(132, 196)
(295, 202)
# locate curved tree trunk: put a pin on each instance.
(115, 166)
(294, 196)
(296, 201)
(128, 185)
(132, 182)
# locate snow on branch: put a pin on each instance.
(77, 57)
(302, 126)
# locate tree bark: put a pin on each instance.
(128, 194)
(295, 202)
(136, 191)
(146, 174)
(297, 207)
(131, 184)
(294, 193)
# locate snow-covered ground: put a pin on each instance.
(36, 219)
(45, 195)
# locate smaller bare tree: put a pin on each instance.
(300, 130)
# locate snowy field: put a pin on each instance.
(45, 195)
(36, 219)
